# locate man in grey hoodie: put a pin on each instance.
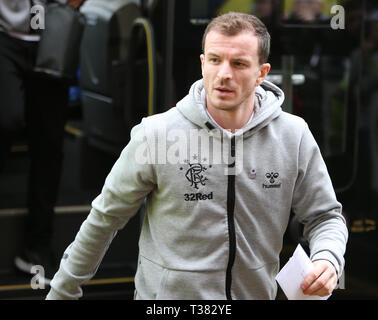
(220, 173)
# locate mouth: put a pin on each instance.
(224, 91)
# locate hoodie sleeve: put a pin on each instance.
(124, 191)
(315, 204)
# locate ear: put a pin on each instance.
(202, 57)
(264, 70)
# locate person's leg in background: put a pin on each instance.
(46, 109)
(12, 69)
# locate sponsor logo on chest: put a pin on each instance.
(195, 174)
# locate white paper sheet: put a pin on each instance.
(292, 275)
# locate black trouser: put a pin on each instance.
(39, 104)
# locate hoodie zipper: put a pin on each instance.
(231, 223)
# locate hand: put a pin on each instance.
(322, 279)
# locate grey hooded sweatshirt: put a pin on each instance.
(214, 224)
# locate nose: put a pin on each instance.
(225, 71)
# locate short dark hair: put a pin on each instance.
(232, 23)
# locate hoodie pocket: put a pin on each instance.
(150, 279)
(154, 281)
(192, 285)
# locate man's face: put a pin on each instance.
(231, 70)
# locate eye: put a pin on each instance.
(239, 64)
(213, 60)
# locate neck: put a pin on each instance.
(234, 118)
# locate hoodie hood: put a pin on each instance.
(268, 101)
